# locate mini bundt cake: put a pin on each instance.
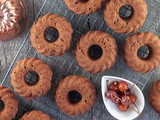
(130, 24)
(75, 95)
(9, 102)
(132, 46)
(13, 18)
(84, 6)
(39, 40)
(35, 115)
(154, 96)
(96, 51)
(23, 87)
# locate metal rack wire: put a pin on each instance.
(66, 65)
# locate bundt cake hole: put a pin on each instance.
(95, 52)
(126, 12)
(51, 34)
(74, 96)
(2, 105)
(31, 78)
(83, 1)
(143, 52)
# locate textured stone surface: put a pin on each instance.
(66, 65)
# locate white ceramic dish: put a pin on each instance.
(113, 109)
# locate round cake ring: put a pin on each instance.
(154, 96)
(18, 78)
(10, 103)
(130, 24)
(134, 43)
(84, 6)
(108, 55)
(81, 85)
(35, 114)
(62, 43)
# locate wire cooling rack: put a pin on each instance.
(66, 65)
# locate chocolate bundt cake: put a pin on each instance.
(120, 24)
(13, 18)
(132, 46)
(8, 104)
(154, 96)
(35, 115)
(51, 48)
(84, 6)
(96, 51)
(75, 95)
(25, 88)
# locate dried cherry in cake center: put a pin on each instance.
(74, 96)
(95, 52)
(2, 105)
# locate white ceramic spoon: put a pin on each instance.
(113, 109)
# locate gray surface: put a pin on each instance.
(61, 64)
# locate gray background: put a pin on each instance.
(66, 65)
